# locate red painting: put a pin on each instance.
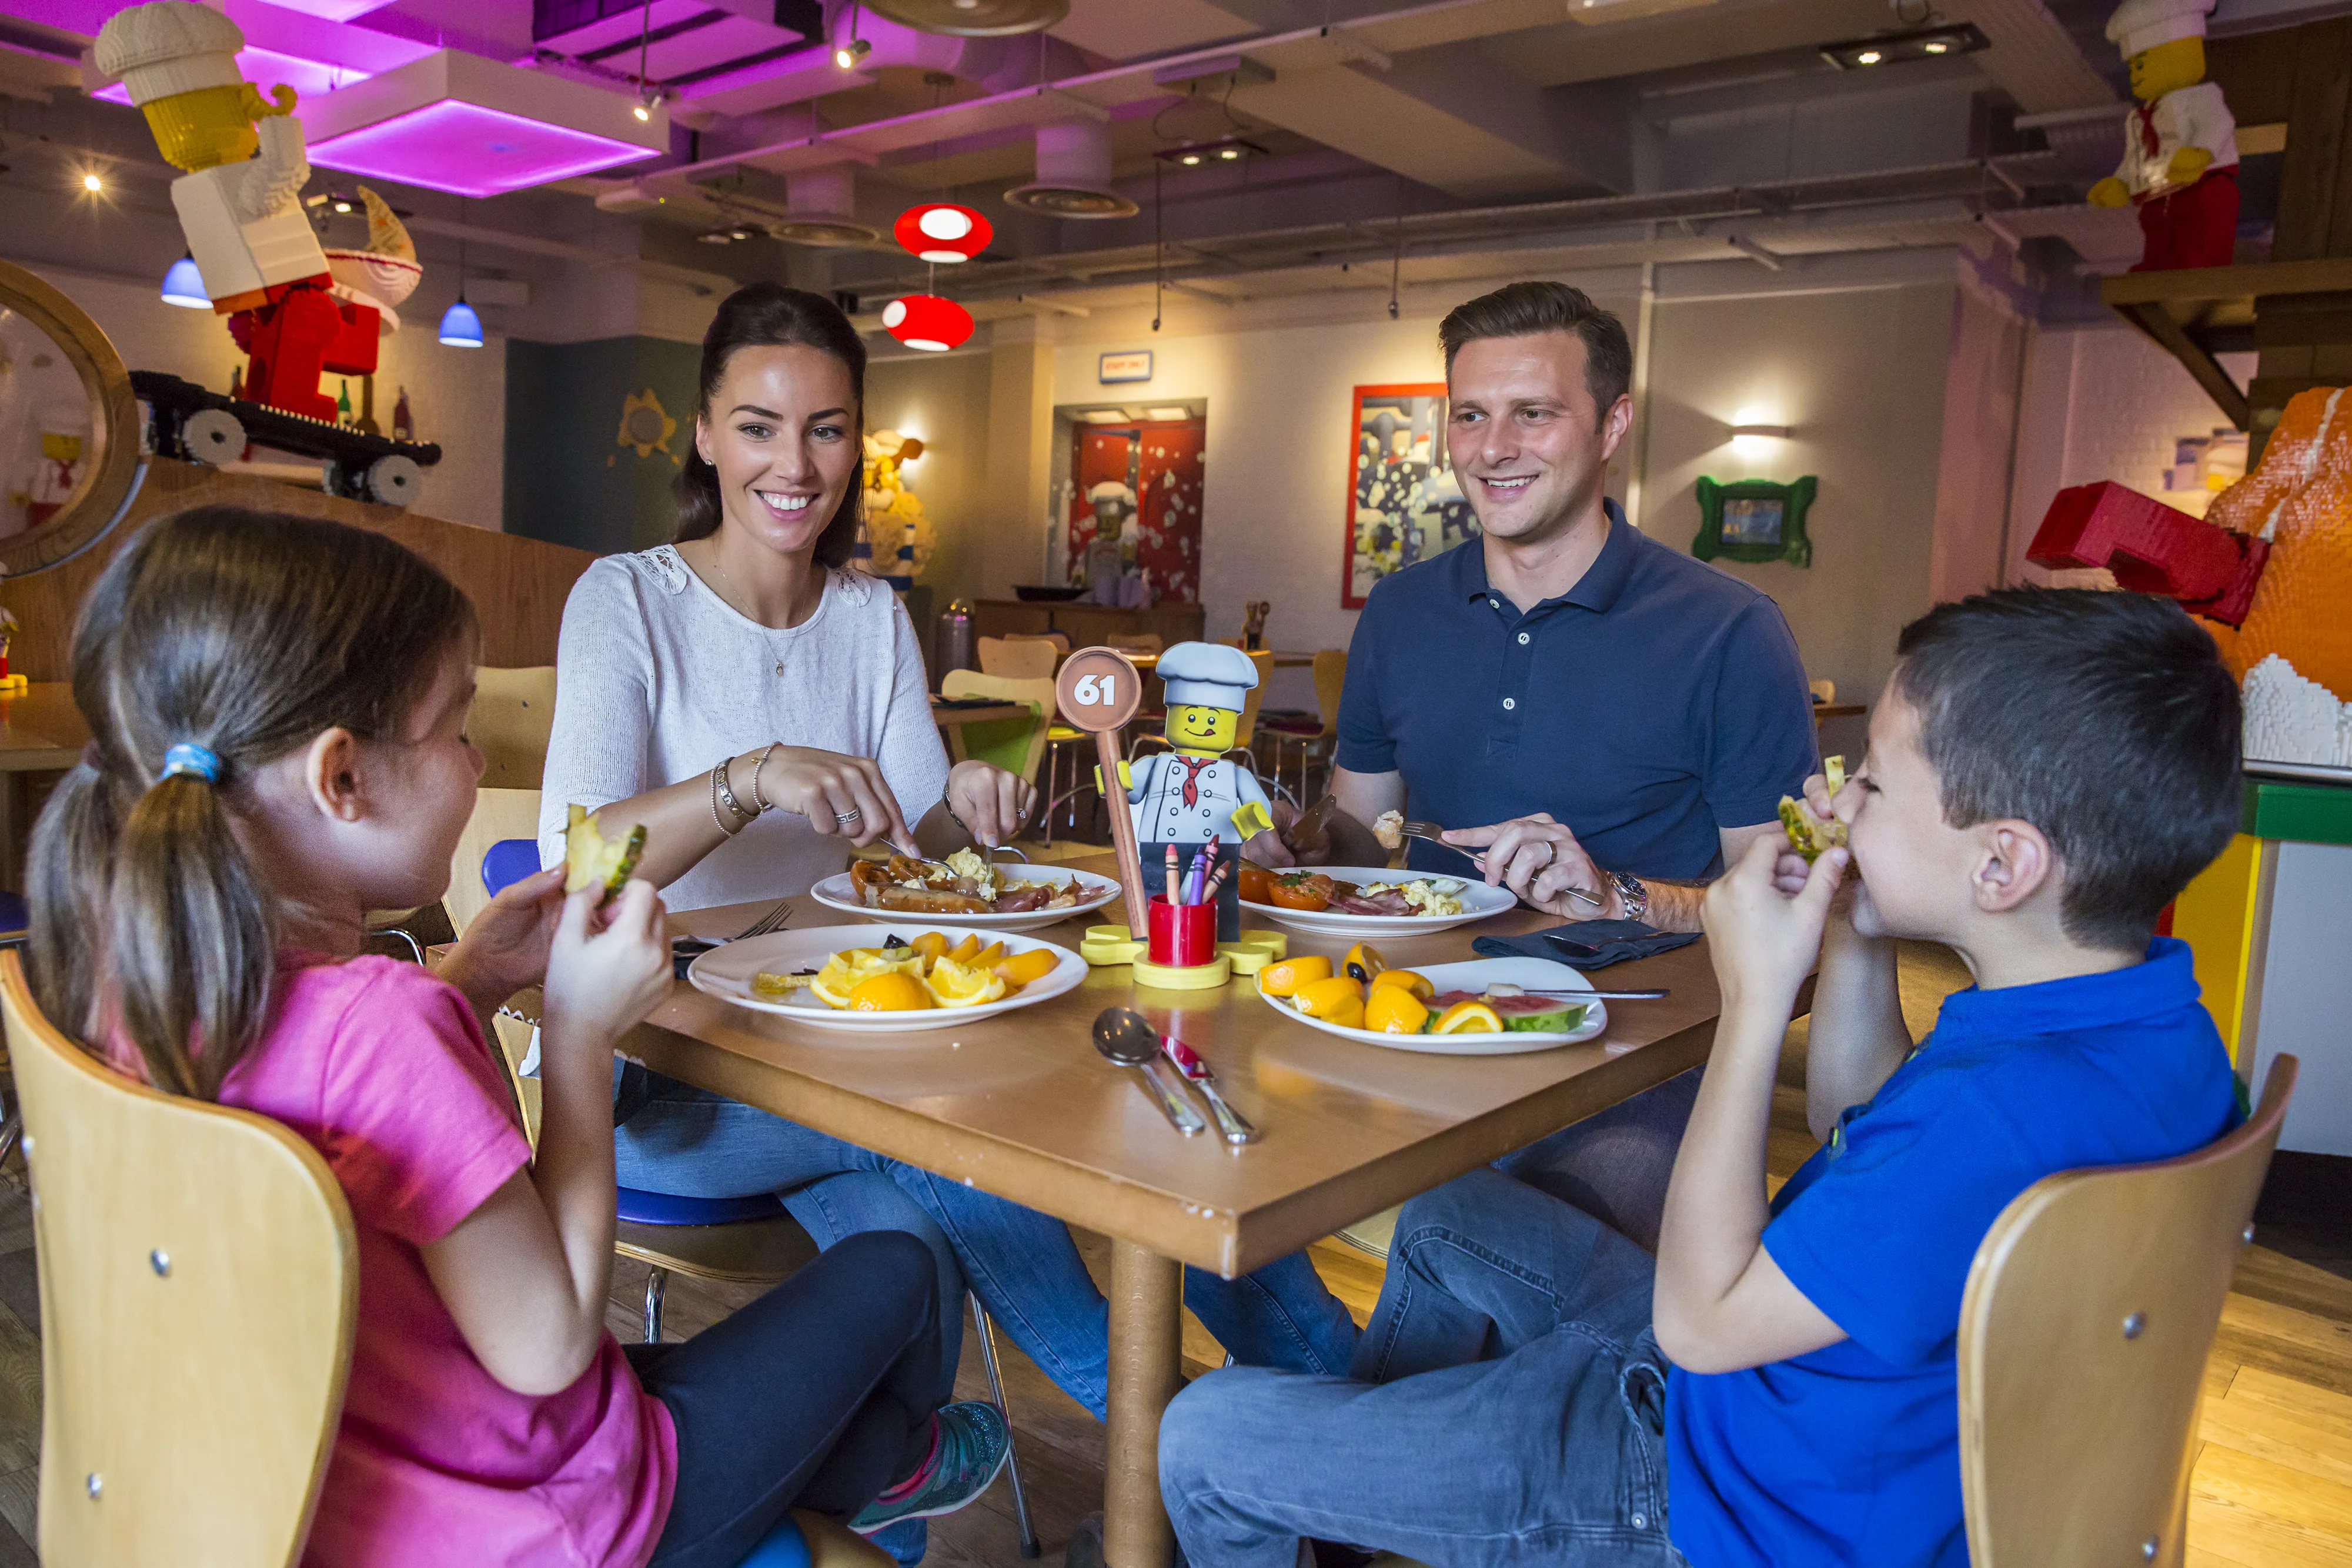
(1145, 481)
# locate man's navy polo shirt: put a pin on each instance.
(1656, 702)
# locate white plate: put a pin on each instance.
(1476, 974)
(726, 972)
(1479, 902)
(838, 891)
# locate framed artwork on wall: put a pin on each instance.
(1754, 520)
(1403, 504)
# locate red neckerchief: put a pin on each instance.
(1192, 777)
(2148, 140)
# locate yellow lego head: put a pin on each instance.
(60, 448)
(210, 126)
(2166, 67)
(1201, 730)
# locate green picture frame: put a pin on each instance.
(1754, 520)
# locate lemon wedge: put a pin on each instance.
(960, 985)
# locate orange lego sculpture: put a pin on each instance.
(2299, 499)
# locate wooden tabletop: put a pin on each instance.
(1020, 1104)
(955, 718)
(41, 731)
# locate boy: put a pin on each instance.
(2046, 770)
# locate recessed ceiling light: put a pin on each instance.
(1939, 42)
(1230, 154)
(1936, 46)
(93, 184)
(1189, 159)
(1869, 57)
(1231, 150)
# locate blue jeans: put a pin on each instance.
(1508, 1408)
(1022, 1264)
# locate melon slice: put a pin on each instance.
(590, 858)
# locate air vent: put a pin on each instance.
(1073, 175)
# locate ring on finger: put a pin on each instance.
(843, 819)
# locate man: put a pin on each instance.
(1621, 719)
(1594, 710)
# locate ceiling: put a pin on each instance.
(1424, 136)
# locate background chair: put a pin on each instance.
(1314, 740)
(513, 713)
(2089, 1314)
(199, 1280)
(1015, 745)
(1024, 659)
(749, 1240)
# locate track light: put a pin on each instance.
(849, 54)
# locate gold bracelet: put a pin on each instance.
(727, 793)
(759, 798)
(724, 831)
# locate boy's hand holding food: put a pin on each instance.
(1764, 941)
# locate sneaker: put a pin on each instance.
(969, 1443)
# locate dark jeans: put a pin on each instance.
(816, 1396)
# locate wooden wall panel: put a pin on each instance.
(518, 585)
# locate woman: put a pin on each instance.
(754, 706)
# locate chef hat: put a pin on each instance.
(2140, 25)
(167, 48)
(1207, 674)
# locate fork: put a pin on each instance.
(774, 920)
(1432, 833)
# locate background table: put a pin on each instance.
(40, 732)
(1020, 1106)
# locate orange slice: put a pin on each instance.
(1336, 999)
(890, 992)
(1283, 979)
(1364, 962)
(1468, 1018)
(1394, 1010)
(1406, 978)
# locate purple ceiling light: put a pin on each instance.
(457, 122)
(331, 10)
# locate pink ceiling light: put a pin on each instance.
(331, 10)
(927, 321)
(941, 230)
(457, 122)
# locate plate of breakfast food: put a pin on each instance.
(965, 889)
(916, 977)
(1368, 901)
(1486, 1007)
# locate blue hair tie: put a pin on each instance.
(192, 760)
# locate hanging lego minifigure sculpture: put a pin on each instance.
(1188, 796)
(240, 201)
(2181, 145)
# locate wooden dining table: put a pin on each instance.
(1021, 1106)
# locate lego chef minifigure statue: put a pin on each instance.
(240, 201)
(2181, 145)
(1181, 797)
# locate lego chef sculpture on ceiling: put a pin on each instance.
(240, 201)
(2181, 145)
(1183, 796)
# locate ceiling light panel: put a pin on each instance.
(457, 122)
(1905, 48)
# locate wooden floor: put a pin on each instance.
(2273, 1476)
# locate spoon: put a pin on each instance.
(1126, 1037)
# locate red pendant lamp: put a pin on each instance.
(942, 230)
(927, 321)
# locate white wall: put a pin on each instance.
(457, 396)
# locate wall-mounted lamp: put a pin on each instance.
(1775, 432)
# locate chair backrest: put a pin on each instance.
(1247, 730)
(1061, 640)
(1330, 680)
(498, 814)
(1015, 745)
(2089, 1314)
(1024, 660)
(1137, 643)
(199, 1279)
(513, 713)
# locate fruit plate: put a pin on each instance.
(725, 972)
(838, 891)
(1476, 974)
(1479, 902)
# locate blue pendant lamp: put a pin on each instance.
(185, 285)
(461, 326)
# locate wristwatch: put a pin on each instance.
(1631, 894)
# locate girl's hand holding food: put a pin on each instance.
(608, 967)
(505, 948)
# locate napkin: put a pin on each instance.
(1617, 940)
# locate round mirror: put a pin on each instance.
(69, 426)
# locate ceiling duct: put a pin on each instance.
(973, 18)
(821, 208)
(1072, 175)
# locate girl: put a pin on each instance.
(755, 705)
(278, 707)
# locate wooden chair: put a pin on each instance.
(1318, 738)
(513, 713)
(1026, 659)
(1017, 745)
(199, 1279)
(499, 815)
(2089, 1314)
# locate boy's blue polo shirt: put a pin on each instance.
(1656, 702)
(1851, 1455)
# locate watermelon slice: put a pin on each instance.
(1520, 1014)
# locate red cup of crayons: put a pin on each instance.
(1183, 924)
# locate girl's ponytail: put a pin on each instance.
(216, 643)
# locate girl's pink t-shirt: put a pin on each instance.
(383, 1067)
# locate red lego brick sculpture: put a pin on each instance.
(2151, 548)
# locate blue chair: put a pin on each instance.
(749, 1240)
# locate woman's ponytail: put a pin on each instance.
(216, 643)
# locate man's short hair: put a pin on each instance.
(2106, 719)
(1524, 309)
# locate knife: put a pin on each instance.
(1235, 1128)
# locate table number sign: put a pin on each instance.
(1097, 692)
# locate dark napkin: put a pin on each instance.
(1603, 943)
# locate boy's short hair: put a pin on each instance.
(1525, 310)
(2106, 719)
